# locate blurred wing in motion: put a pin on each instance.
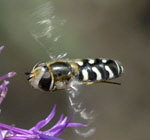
(46, 29)
(83, 112)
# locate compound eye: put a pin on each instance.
(45, 81)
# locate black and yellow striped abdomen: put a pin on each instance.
(99, 69)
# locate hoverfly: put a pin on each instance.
(63, 73)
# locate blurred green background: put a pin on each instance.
(84, 29)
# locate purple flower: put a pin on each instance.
(8, 132)
(3, 86)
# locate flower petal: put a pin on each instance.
(8, 75)
(64, 125)
(46, 137)
(3, 90)
(14, 129)
(57, 129)
(42, 123)
(1, 137)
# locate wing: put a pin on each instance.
(83, 112)
(46, 29)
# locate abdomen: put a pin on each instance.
(99, 69)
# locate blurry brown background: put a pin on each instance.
(91, 28)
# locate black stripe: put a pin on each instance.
(84, 66)
(113, 66)
(101, 67)
(88, 67)
(92, 75)
(80, 76)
